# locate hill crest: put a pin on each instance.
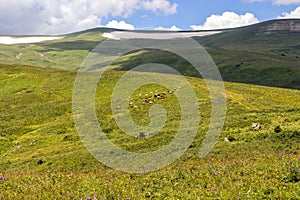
(280, 25)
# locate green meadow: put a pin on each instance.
(36, 104)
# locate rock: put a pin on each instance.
(40, 162)
(33, 142)
(142, 135)
(256, 126)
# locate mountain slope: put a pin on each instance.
(267, 53)
(65, 53)
(259, 37)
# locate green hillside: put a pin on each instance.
(65, 53)
(42, 156)
(267, 53)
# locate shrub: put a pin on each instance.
(231, 139)
(277, 129)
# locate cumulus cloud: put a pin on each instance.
(286, 2)
(226, 20)
(294, 14)
(156, 5)
(251, 1)
(119, 25)
(172, 28)
(278, 2)
(61, 16)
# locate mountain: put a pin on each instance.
(258, 37)
(267, 53)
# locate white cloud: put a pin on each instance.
(226, 20)
(251, 1)
(286, 2)
(164, 5)
(119, 25)
(278, 2)
(61, 16)
(294, 14)
(173, 28)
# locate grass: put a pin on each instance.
(242, 66)
(245, 55)
(43, 157)
(65, 53)
(36, 104)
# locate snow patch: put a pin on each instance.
(117, 35)
(24, 40)
(110, 36)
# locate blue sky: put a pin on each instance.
(64, 16)
(195, 12)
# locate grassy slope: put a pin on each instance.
(254, 55)
(65, 53)
(35, 104)
(246, 55)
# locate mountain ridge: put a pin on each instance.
(270, 25)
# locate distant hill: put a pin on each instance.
(262, 36)
(267, 53)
